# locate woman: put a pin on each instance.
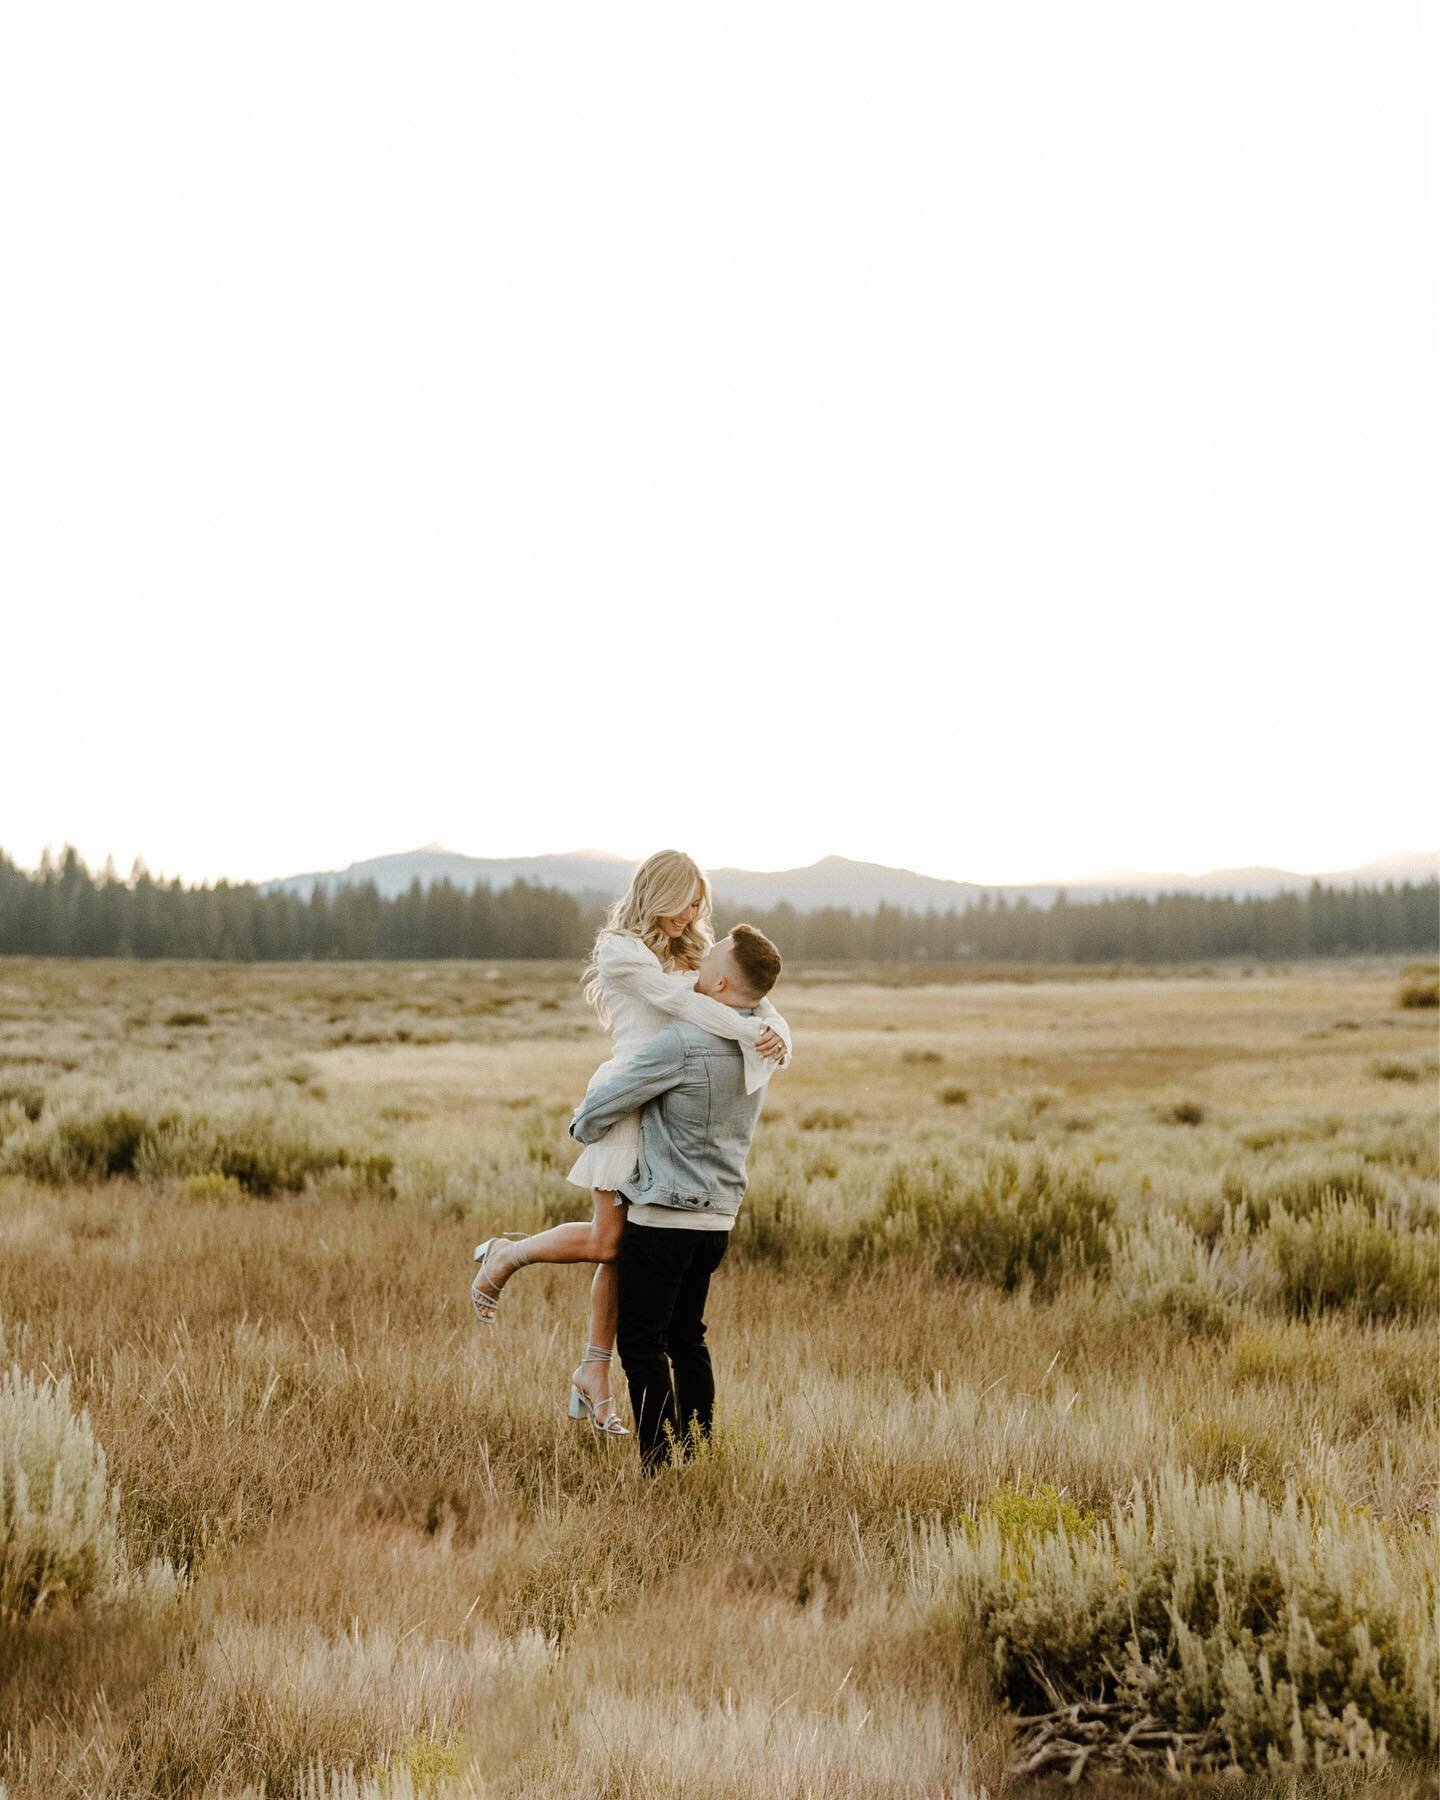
(640, 975)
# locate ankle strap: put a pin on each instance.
(593, 1353)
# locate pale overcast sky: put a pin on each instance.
(997, 439)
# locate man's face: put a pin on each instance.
(716, 969)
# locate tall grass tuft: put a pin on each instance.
(278, 1703)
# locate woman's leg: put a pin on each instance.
(593, 1240)
(594, 1377)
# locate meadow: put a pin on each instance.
(1078, 1395)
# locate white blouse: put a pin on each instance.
(642, 997)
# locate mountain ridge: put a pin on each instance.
(832, 881)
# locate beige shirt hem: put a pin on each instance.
(680, 1218)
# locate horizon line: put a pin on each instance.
(1104, 877)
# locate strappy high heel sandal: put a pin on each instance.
(485, 1303)
(583, 1407)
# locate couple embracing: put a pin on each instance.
(666, 1123)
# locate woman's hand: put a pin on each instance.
(771, 1045)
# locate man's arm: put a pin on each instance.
(631, 968)
(656, 1068)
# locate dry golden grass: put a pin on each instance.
(407, 1572)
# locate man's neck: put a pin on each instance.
(740, 1006)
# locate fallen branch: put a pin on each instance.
(1087, 1736)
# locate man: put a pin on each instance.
(695, 1133)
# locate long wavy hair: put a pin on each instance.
(662, 886)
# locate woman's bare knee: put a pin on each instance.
(605, 1228)
(607, 1243)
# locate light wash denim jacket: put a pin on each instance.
(697, 1122)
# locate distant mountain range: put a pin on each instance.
(834, 881)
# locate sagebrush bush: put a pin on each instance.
(785, 1219)
(84, 1149)
(1256, 1634)
(826, 1118)
(27, 1097)
(59, 1514)
(1342, 1255)
(1160, 1268)
(1009, 1219)
(1304, 1188)
(1395, 1068)
(262, 1155)
(1420, 987)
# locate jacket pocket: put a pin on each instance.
(687, 1113)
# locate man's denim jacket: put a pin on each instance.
(697, 1121)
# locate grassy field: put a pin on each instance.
(1078, 1387)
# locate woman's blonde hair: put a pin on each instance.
(662, 886)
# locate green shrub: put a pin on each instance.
(213, 1186)
(1023, 1516)
(1019, 1217)
(59, 1516)
(1249, 1634)
(1342, 1255)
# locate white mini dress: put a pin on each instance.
(642, 998)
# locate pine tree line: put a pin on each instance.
(62, 909)
(1169, 928)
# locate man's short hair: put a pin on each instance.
(756, 958)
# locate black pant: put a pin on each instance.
(663, 1277)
